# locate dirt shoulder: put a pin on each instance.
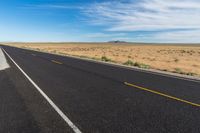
(182, 59)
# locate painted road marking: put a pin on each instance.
(33, 54)
(55, 107)
(155, 72)
(57, 62)
(162, 94)
(3, 62)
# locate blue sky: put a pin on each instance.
(100, 20)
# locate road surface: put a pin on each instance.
(48, 93)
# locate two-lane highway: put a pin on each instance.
(97, 97)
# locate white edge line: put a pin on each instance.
(65, 118)
(148, 71)
(133, 68)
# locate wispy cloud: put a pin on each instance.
(104, 35)
(147, 15)
(187, 36)
(172, 16)
(164, 20)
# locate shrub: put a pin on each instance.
(176, 60)
(144, 66)
(37, 49)
(95, 58)
(83, 56)
(129, 63)
(178, 70)
(129, 56)
(137, 64)
(191, 74)
(54, 51)
(104, 58)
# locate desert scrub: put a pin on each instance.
(136, 64)
(54, 51)
(145, 66)
(191, 74)
(178, 70)
(176, 60)
(129, 63)
(95, 58)
(38, 49)
(82, 56)
(104, 58)
(141, 65)
(61, 53)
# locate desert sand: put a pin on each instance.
(184, 59)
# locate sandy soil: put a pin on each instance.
(174, 58)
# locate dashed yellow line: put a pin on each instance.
(162, 94)
(57, 62)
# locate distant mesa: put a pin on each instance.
(117, 41)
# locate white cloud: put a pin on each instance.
(165, 20)
(178, 36)
(104, 35)
(149, 15)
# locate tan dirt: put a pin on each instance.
(173, 58)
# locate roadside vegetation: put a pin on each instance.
(136, 64)
(178, 70)
(182, 59)
(106, 59)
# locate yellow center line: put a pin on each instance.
(57, 62)
(162, 94)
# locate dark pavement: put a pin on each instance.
(93, 96)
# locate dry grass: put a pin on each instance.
(183, 59)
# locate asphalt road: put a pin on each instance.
(96, 97)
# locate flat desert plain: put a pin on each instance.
(177, 58)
